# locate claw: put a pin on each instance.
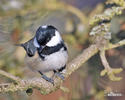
(60, 75)
(48, 79)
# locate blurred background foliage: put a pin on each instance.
(19, 20)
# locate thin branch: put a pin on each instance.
(111, 46)
(108, 70)
(104, 60)
(10, 76)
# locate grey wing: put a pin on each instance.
(33, 62)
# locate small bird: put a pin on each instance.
(47, 52)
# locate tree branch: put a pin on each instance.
(10, 76)
(108, 70)
(111, 46)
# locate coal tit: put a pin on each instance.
(50, 49)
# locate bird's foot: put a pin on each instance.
(48, 79)
(60, 75)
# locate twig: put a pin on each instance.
(111, 46)
(10, 76)
(108, 70)
(104, 60)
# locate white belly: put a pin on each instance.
(54, 61)
(51, 62)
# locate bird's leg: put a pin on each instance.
(46, 78)
(58, 72)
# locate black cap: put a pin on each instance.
(45, 33)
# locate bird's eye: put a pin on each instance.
(48, 39)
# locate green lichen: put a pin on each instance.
(118, 2)
(110, 12)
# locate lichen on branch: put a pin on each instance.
(101, 28)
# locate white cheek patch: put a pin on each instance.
(54, 40)
(36, 44)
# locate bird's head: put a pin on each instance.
(47, 35)
(29, 47)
